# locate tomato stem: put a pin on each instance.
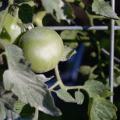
(36, 114)
(74, 87)
(59, 80)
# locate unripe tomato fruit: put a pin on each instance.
(43, 48)
(11, 26)
(10, 32)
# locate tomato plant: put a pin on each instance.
(38, 57)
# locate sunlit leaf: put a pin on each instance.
(79, 97)
(2, 111)
(95, 88)
(103, 8)
(68, 53)
(65, 96)
(69, 34)
(55, 8)
(69, 0)
(102, 109)
(85, 70)
(70, 38)
(18, 106)
(24, 83)
(118, 22)
(8, 99)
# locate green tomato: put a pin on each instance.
(12, 28)
(43, 48)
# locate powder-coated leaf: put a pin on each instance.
(95, 88)
(68, 53)
(103, 8)
(55, 7)
(79, 97)
(2, 111)
(25, 84)
(102, 109)
(65, 96)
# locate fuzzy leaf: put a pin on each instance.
(79, 97)
(70, 38)
(65, 96)
(18, 106)
(102, 109)
(95, 88)
(2, 111)
(24, 83)
(68, 53)
(55, 8)
(103, 8)
(85, 70)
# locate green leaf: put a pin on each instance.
(2, 18)
(12, 114)
(69, 0)
(8, 99)
(2, 111)
(102, 109)
(23, 83)
(95, 88)
(55, 8)
(85, 70)
(70, 38)
(118, 22)
(69, 34)
(79, 97)
(103, 8)
(68, 53)
(118, 80)
(43, 78)
(18, 106)
(24, 1)
(65, 96)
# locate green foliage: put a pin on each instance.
(18, 106)
(85, 70)
(95, 88)
(24, 92)
(23, 83)
(103, 8)
(55, 8)
(102, 109)
(65, 96)
(2, 111)
(79, 97)
(68, 52)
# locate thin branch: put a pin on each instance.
(36, 114)
(59, 78)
